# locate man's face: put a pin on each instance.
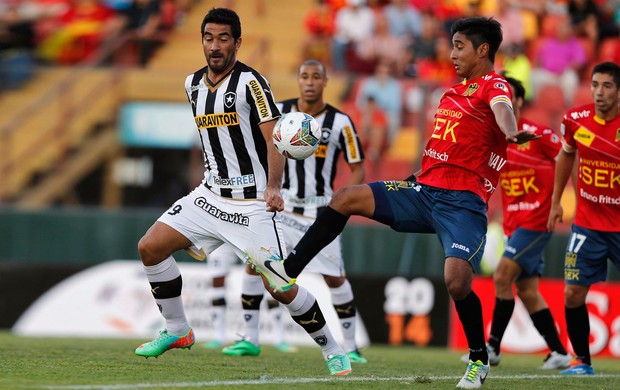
(463, 55)
(605, 92)
(219, 47)
(311, 80)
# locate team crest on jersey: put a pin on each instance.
(524, 146)
(501, 86)
(326, 132)
(471, 89)
(229, 99)
(617, 135)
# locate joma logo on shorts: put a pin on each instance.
(236, 218)
(461, 247)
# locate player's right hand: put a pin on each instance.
(555, 215)
(522, 137)
(273, 199)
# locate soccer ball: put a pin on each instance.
(296, 135)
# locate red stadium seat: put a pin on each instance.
(532, 48)
(395, 169)
(588, 48)
(609, 50)
(538, 115)
(550, 23)
(583, 95)
(550, 97)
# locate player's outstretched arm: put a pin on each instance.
(505, 118)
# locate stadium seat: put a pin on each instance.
(405, 146)
(537, 115)
(530, 24)
(583, 95)
(549, 24)
(609, 50)
(588, 48)
(532, 48)
(395, 169)
(550, 97)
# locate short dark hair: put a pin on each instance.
(609, 68)
(517, 86)
(223, 16)
(480, 30)
(313, 62)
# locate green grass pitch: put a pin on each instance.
(106, 364)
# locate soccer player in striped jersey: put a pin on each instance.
(526, 185)
(238, 201)
(308, 187)
(460, 168)
(593, 132)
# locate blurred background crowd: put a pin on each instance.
(388, 64)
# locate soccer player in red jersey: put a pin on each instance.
(526, 186)
(460, 170)
(592, 130)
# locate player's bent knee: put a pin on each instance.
(528, 296)
(148, 252)
(458, 289)
(353, 200)
(574, 295)
(334, 281)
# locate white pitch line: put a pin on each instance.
(266, 381)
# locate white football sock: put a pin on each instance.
(252, 285)
(343, 295)
(171, 308)
(218, 313)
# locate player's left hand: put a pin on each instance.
(273, 199)
(521, 137)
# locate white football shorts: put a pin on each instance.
(328, 261)
(210, 221)
(222, 260)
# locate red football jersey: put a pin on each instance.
(527, 179)
(467, 149)
(598, 187)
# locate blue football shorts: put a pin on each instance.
(587, 252)
(457, 217)
(526, 248)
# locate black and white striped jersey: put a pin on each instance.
(308, 184)
(228, 115)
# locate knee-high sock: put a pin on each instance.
(470, 314)
(306, 312)
(501, 317)
(252, 292)
(218, 313)
(276, 312)
(342, 299)
(328, 225)
(544, 323)
(166, 285)
(578, 326)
